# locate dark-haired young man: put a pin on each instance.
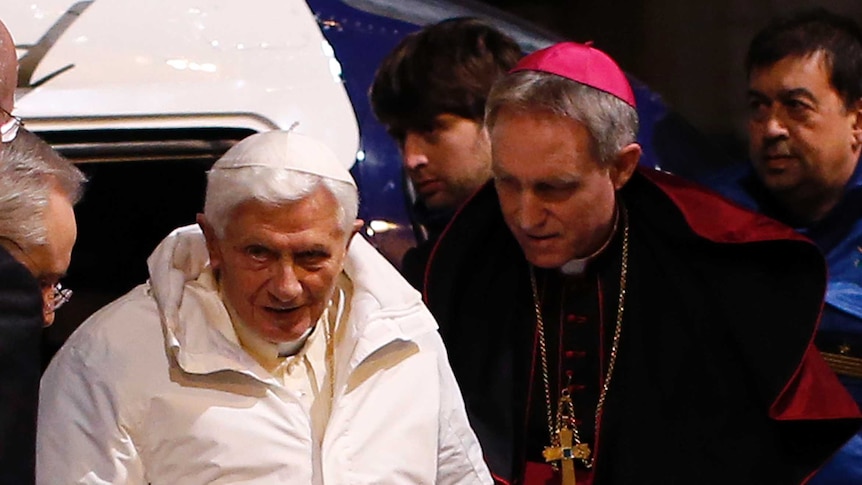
(430, 92)
(805, 129)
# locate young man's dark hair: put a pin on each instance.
(447, 67)
(430, 93)
(806, 32)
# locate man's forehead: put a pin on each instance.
(560, 141)
(316, 213)
(539, 174)
(540, 169)
(792, 72)
(309, 239)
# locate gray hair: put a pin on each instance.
(229, 187)
(611, 122)
(29, 170)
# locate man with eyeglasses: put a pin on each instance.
(37, 231)
(38, 188)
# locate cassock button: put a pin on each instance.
(573, 388)
(575, 354)
(572, 318)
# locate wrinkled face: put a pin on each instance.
(450, 162)
(803, 141)
(556, 198)
(277, 264)
(49, 262)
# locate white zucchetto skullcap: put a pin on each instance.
(287, 150)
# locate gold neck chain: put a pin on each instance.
(337, 310)
(332, 321)
(329, 334)
(554, 425)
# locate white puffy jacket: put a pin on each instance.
(146, 391)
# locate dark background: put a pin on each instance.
(689, 51)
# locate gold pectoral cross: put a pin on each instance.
(566, 451)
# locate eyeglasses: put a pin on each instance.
(9, 130)
(59, 297)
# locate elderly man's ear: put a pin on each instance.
(624, 164)
(357, 225)
(212, 241)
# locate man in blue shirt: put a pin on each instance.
(805, 135)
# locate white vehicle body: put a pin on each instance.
(256, 65)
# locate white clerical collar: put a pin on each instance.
(575, 267)
(286, 349)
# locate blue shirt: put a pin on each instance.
(839, 237)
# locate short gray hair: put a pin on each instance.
(229, 187)
(29, 170)
(611, 122)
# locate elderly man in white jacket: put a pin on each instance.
(273, 347)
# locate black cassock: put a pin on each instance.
(21, 321)
(717, 380)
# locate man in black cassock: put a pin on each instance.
(615, 326)
(20, 320)
(37, 231)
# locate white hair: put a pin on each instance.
(229, 187)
